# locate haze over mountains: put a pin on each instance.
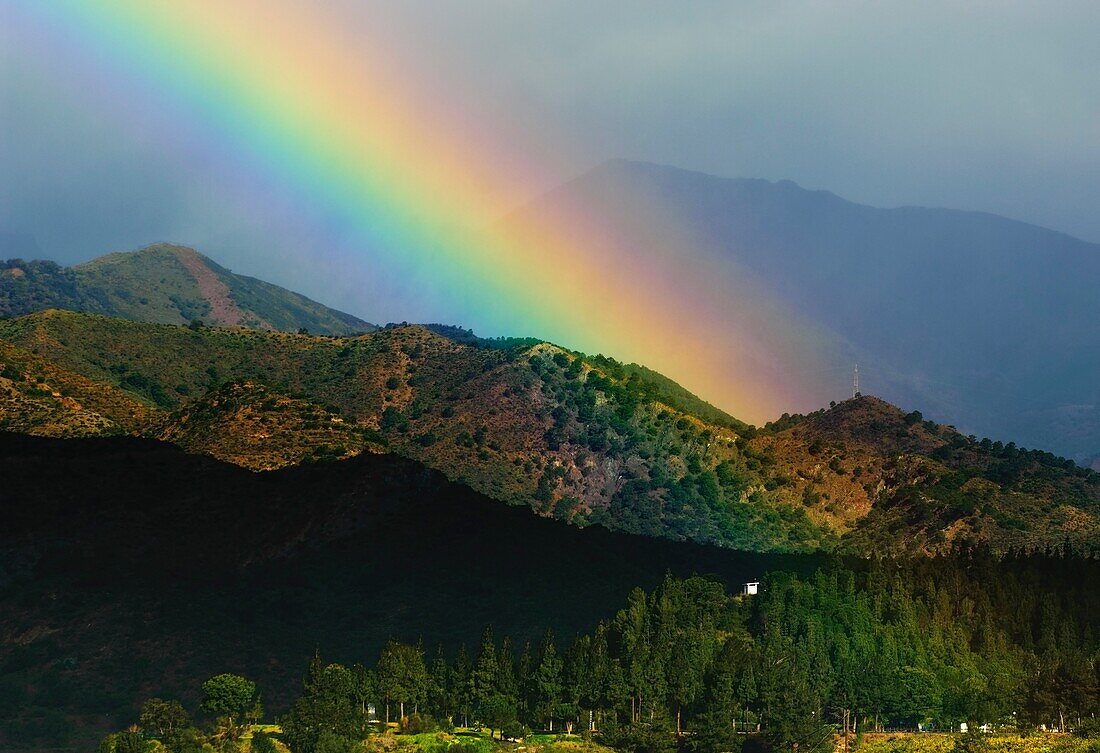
(981, 321)
(978, 320)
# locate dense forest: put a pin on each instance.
(855, 646)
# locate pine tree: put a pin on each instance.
(440, 693)
(485, 676)
(525, 670)
(461, 678)
(547, 683)
(506, 671)
(402, 676)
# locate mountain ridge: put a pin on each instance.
(582, 439)
(620, 164)
(169, 284)
(888, 283)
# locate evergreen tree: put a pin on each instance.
(462, 684)
(485, 677)
(547, 683)
(330, 710)
(441, 684)
(525, 669)
(506, 671)
(401, 675)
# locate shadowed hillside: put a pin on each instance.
(128, 569)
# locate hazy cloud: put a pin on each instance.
(989, 106)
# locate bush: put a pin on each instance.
(971, 742)
(1088, 728)
(642, 737)
(263, 743)
(515, 730)
(328, 742)
(392, 418)
(418, 723)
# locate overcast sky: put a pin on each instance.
(991, 106)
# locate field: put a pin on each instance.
(479, 741)
(929, 742)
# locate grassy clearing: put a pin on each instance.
(478, 741)
(1000, 743)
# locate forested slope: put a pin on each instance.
(581, 439)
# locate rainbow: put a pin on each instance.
(281, 86)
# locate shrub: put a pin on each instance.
(515, 730)
(1089, 727)
(971, 742)
(332, 743)
(263, 743)
(416, 724)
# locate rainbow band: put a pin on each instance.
(278, 82)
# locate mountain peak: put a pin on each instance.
(167, 283)
(950, 310)
(621, 168)
(872, 421)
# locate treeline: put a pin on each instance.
(858, 646)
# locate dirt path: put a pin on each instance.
(223, 310)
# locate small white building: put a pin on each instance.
(751, 588)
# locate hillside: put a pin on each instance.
(129, 568)
(913, 485)
(580, 439)
(166, 284)
(254, 427)
(975, 319)
(38, 397)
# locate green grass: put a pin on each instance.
(438, 742)
(998, 743)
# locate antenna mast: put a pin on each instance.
(855, 381)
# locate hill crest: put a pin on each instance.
(885, 286)
(167, 284)
(581, 439)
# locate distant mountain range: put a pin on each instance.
(983, 321)
(166, 284)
